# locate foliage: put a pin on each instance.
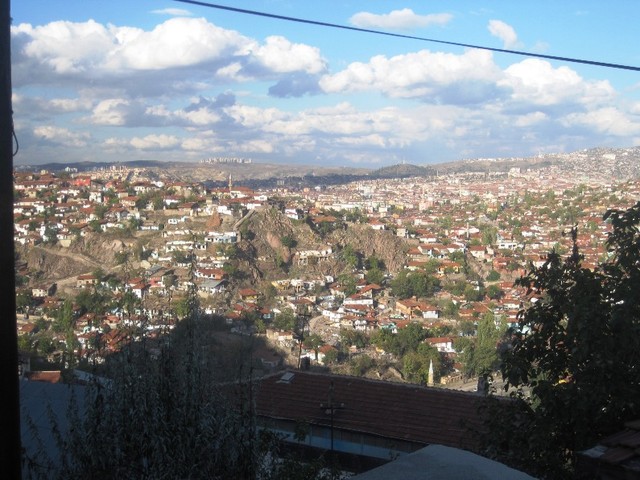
(494, 292)
(457, 256)
(349, 255)
(493, 276)
(361, 364)
(24, 300)
(92, 301)
(406, 340)
(479, 355)
(51, 235)
(121, 257)
(181, 257)
(288, 241)
(348, 282)
(409, 284)
(285, 320)
(314, 342)
(415, 364)
(577, 352)
(350, 337)
(473, 293)
(166, 416)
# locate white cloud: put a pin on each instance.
(63, 47)
(422, 74)
(112, 111)
(175, 12)
(155, 142)
(504, 32)
(281, 56)
(399, 19)
(116, 57)
(530, 119)
(61, 136)
(178, 42)
(609, 121)
(536, 82)
(67, 105)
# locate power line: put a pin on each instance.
(411, 37)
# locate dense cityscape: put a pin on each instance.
(409, 280)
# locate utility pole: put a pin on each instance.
(10, 444)
(330, 409)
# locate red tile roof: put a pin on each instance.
(616, 456)
(399, 411)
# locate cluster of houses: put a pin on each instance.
(502, 223)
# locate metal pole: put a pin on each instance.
(10, 392)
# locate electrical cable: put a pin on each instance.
(15, 137)
(411, 37)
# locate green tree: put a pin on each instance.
(349, 255)
(24, 300)
(51, 235)
(314, 342)
(415, 364)
(473, 293)
(494, 292)
(375, 270)
(289, 241)
(100, 210)
(121, 257)
(361, 364)
(576, 353)
(493, 276)
(406, 340)
(479, 355)
(348, 283)
(285, 320)
(350, 337)
(419, 284)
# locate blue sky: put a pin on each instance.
(127, 80)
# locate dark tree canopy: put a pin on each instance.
(576, 356)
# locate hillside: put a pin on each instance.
(265, 255)
(618, 164)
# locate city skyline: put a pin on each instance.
(162, 80)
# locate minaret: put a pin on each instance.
(230, 183)
(430, 379)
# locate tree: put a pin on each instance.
(361, 364)
(493, 276)
(577, 353)
(121, 257)
(479, 355)
(406, 340)
(50, 235)
(494, 292)
(415, 364)
(409, 284)
(288, 241)
(350, 256)
(314, 342)
(24, 300)
(350, 337)
(285, 320)
(348, 283)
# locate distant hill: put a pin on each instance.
(403, 170)
(615, 164)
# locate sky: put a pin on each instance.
(121, 80)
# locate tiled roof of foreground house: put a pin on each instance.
(615, 457)
(412, 413)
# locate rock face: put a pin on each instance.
(383, 244)
(266, 229)
(85, 255)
